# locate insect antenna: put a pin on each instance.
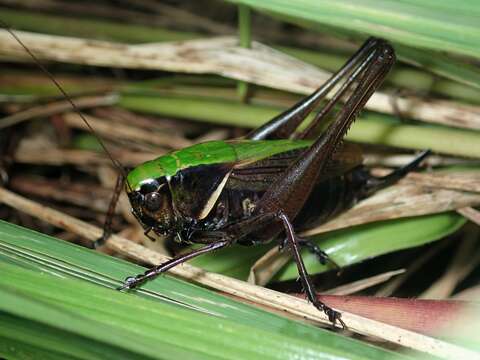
(114, 161)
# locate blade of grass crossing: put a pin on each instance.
(146, 326)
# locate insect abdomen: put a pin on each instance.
(332, 196)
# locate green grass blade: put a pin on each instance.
(101, 29)
(421, 31)
(350, 246)
(442, 65)
(346, 247)
(56, 297)
(234, 261)
(89, 28)
(429, 25)
(245, 38)
(370, 128)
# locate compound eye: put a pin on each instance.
(152, 202)
(149, 186)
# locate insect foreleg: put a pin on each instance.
(308, 286)
(218, 239)
(132, 282)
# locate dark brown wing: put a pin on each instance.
(345, 159)
(258, 176)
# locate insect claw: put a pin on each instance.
(122, 287)
(128, 284)
(344, 327)
(334, 316)
(97, 243)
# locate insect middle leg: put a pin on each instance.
(214, 240)
(313, 248)
(132, 282)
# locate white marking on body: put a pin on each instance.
(213, 198)
(248, 206)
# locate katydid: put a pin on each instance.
(265, 187)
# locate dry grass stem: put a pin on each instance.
(389, 288)
(265, 268)
(464, 261)
(400, 200)
(123, 116)
(114, 130)
(57, 108)
(471, 214)
(469, 294)
(259, 65)
(108, 178)
(363, 284)
(461, 180)
(80, 194)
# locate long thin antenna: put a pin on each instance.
(69, 99)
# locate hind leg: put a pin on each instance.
(285, 124)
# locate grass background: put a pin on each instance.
(56, 299)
